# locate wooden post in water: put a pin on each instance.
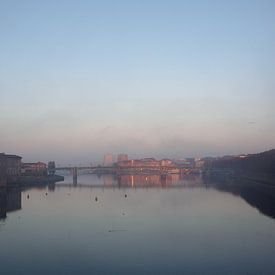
(75, 175)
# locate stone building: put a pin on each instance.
(10, 168)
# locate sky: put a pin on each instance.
(150, 78)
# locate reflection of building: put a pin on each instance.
(13, 199)
(34, 169)
(108, 160)
(122, 157)
(175, 177)
(3, 203)
(141, 180)
(10, 200)
(10, 166)
(3, 171)
(108, 180)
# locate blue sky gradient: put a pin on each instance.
(173, 78)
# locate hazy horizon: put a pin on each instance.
(79, 79)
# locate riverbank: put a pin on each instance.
(38, 180)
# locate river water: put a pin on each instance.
(138, 225)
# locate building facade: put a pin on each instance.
(108, 160)
(122, 157)
(51, 168)
(10, 168)
(135, 163)
(3, 170)
(166, 162)
(34, 169)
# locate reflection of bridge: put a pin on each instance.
(75, 169)
(137, 181)
(117, 186)
(163, 171)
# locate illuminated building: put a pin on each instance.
(122, 157)
(108, 160)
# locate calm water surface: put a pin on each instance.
(138, 225)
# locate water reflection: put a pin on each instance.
(139, 224)
(259, 196)
(157, 181)
(135, 181)
(10, 200)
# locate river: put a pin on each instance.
(138, 225)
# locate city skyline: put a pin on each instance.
(177, 79)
